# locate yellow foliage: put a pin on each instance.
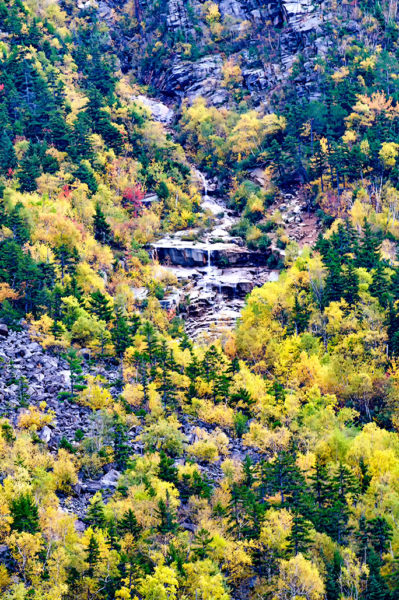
(95, 394)
(299, 578)
(34, 418)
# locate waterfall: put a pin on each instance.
(204, 184)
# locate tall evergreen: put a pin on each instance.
(100, 306)
(24, 513)
(95, 515)
(129, 524)
(92, 554)
(166, 516)
(120, 443)
(102, 230)
(369, 250)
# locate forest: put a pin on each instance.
(260, 464)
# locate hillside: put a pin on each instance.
(199, 300)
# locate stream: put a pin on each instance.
(215, 271)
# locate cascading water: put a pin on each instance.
(210, 279)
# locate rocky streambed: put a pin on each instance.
(214, 270)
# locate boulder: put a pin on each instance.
(110, 479)
(45, 434)
(3, 330)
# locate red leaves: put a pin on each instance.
(132, 198)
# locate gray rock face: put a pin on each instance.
(194, 79)
(110, 479)
(198, 255)
(3, 330)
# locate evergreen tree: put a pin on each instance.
(75, 366)
(369, 251)
(100, 306)
(333, 572)
(29, 171)
(129, 524)
(166, 515)
(380, 534)
(300, 316)
(167, 470)
(25, 514)
(102, 230)
(95, 515)
(8, 158)
(299, 538)
(18, 224)
(380, 285)
(67, 259)
(166, 387)
(201, 544)
(93, 554)
(335, 282)
(120, 443)
(351, 284)
(121, 334)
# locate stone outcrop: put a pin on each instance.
(289, 28)
(189, 254)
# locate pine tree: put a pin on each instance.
(129, 524)
(8, 158)
(102, 230)
(18, 224)
(100, 306)
(121, 335)
(75, 366)
(300, 316)
(333, 572)
(120, 443)
(201, 543)
(25, 514)
(167, 469)
(95, 515)
(29, 171)
(93, 554)
(351, 284)
(335, 282)
(380, 534)
(321, 486)
(166, 387)
(380, 285)
(67, 259)
(369, 251)
(299, 538)
(365, 477)
(166, 515)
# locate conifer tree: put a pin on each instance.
(8, 158)
(351, 284)
(201, 543)
(121, 334)
(93, 554)
(120, 443)
(25, 514)
(95, 515)
(380, 285)
(166, 515)
(167, 470)
(299, 317)
(67, 259)
(102, 230)
(100, 306)
(129, 524)
(75, 366)
(369, 251)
